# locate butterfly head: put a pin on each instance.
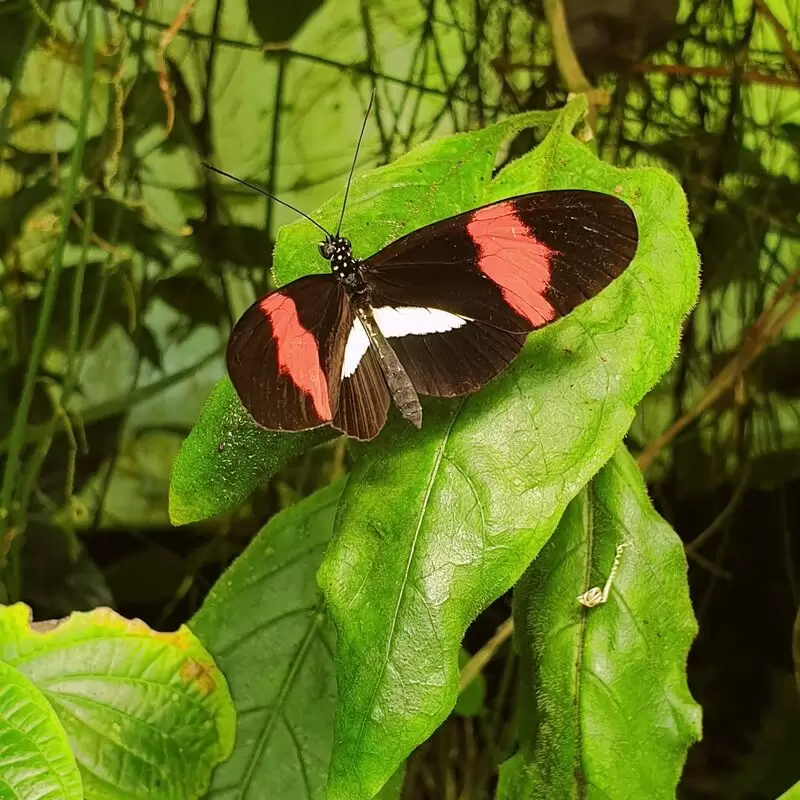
(339, 252)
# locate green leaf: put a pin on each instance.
(147, 714)
(791, 794)
(436, 524)
(226, 457)
(264, 624)
(428, 184)
(602, 680)
(435, 180)
(35, 759)
(393, 788)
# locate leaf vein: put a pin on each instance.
(393, 627)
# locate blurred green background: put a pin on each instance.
(120, 280)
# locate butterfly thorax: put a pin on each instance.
(345, 266)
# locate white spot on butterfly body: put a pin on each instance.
(396, 322)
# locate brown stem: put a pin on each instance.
(766, 328)
(475, 665)
(780, 32)
(746, 76)
(163, 79)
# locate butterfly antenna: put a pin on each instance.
(265, 193)
(355, 158)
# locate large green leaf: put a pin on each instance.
(435, 524)
(226, 457)
(603, 680)
(147, 714)
(263, 622)
(791, 794)
(35, 759)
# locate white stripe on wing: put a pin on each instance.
(394, 322)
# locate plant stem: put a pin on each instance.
(50, 292)
(765, 330)
(566, 60)
(475, 665)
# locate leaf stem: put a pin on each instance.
(563, 51)
(475, 665)
(780, 34)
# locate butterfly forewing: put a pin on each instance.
(517, 264)
(466, 290)
(285, 354)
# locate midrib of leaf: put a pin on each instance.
(588, 525)
(53, 770)
(283, 566)
(114, 790)
(105, 736)
(265, 626)
(195, 702)
(300, 759)
(269, 724)
(57, 699)
(404, 582)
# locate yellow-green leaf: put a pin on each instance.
(147, 714)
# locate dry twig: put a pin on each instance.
(780, 32)
(746, 76)
(475, 665)
(774, 318)
(164, 42)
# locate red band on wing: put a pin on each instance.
(297, 351)
(511, 256)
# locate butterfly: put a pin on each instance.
(440, 311)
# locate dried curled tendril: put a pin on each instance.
(596, 596)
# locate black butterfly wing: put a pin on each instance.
(285, 354)
(363, 400)
(517, 264)
(457, 362)
(499, 272)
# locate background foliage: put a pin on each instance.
(120, 279)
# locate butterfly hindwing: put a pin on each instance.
(459, 361)
(444, 355)
(285, 354)
(363, 399)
